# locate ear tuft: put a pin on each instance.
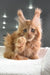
(21, 16)
(38, 11)
(19, 13)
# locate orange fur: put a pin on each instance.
(26, 41)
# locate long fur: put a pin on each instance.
(24, 45)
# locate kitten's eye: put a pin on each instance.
(25, 30)
(32, 30)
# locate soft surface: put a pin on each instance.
(28, 67)
(46, 63)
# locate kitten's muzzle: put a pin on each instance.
(29, 36)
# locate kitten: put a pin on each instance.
(25, 43)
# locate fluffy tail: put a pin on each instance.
(8, 46)
(8, 41)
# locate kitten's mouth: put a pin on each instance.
(30, 38)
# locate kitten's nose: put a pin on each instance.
(29, 34)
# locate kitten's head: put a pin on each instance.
(30, 29)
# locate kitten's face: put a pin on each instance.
(29, 30)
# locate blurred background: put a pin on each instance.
(8, 14)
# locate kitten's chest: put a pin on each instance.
(29, 45)
(28, 49)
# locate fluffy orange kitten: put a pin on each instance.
(26, 41)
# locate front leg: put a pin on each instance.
(19, 57)
(20, 45)
(35, 50)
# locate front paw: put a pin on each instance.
(9, 54)
(35, 57)
(20, 44)
(19, 57)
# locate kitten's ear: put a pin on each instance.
(36, 17)
(21, 16)
(38, 12)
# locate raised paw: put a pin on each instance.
(20, 45)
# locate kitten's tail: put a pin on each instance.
(8, 41)
(8, 47)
